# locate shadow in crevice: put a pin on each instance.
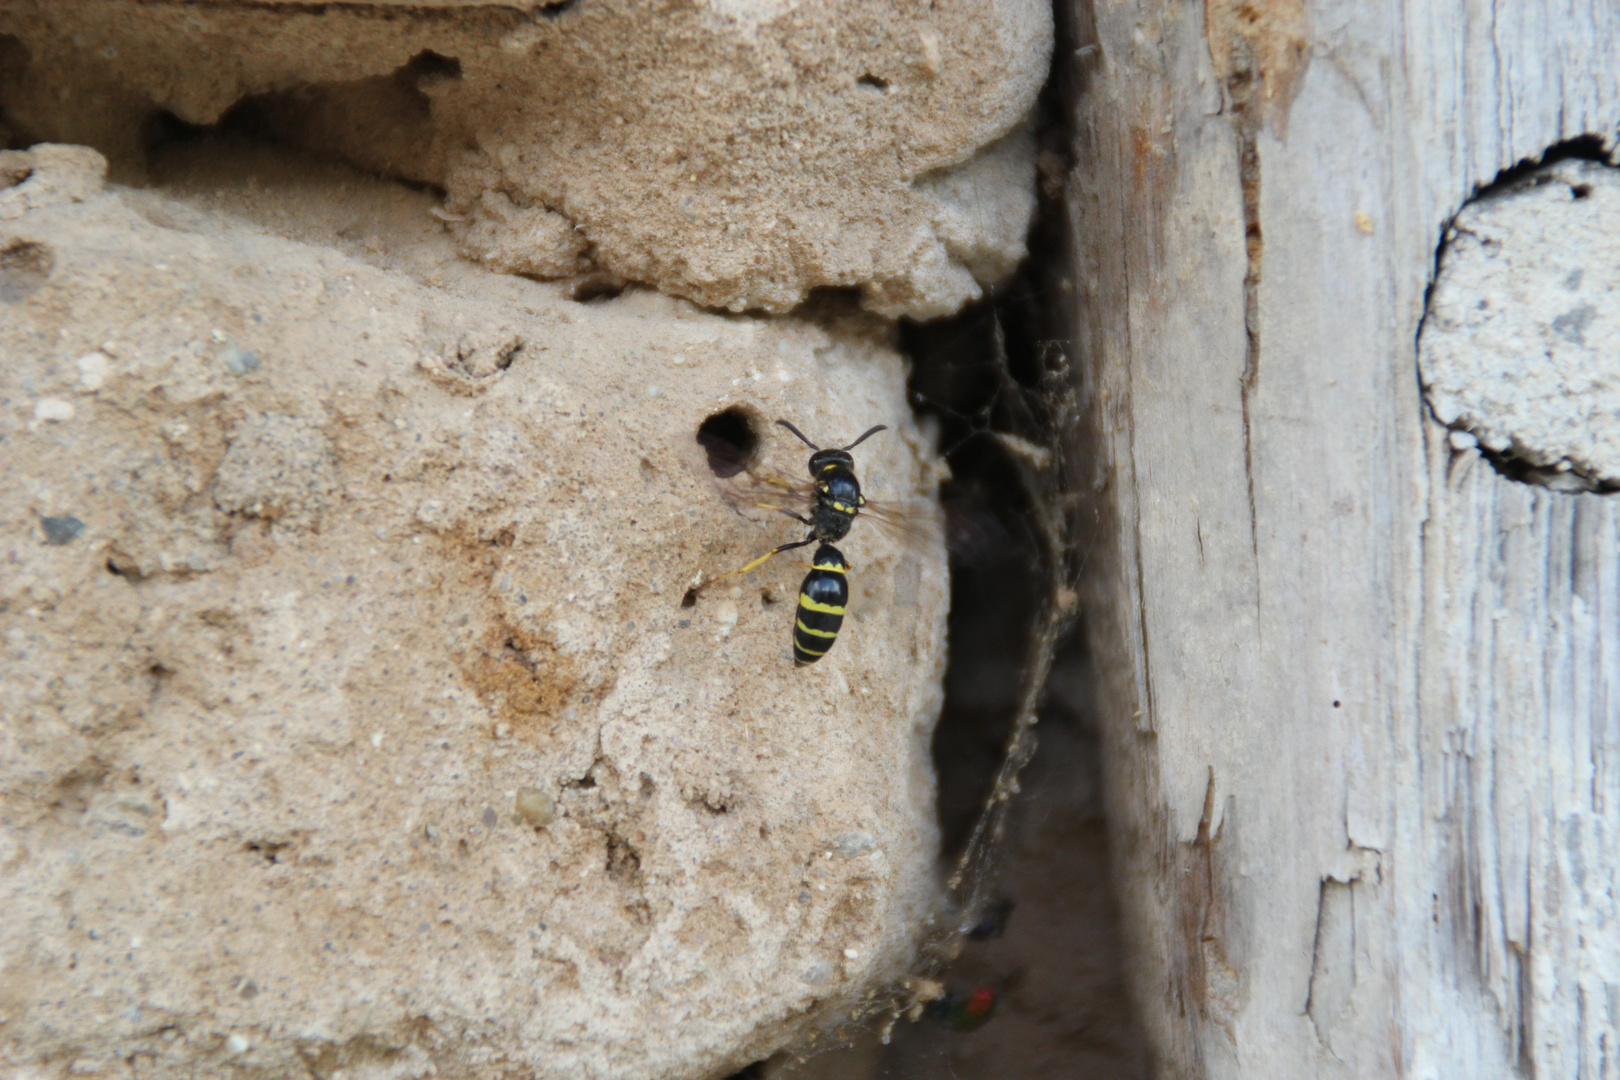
(381, 124)
(1001, 380)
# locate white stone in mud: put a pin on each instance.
(1521, 346)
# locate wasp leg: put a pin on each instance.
(769, 554)
(800, 518)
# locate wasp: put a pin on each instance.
(836, 497)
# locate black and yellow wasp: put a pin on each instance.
(835, 500)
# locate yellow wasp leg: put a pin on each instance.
(757, 562)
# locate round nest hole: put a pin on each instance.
(731, 440)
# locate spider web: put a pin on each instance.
(1028, 420)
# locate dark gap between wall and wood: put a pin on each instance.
(1037, 926)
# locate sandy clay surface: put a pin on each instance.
(352, 720)
(356, 719)
(741, 153)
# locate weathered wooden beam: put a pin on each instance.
(1361, 688)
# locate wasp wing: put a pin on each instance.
(915, 522)
(758, 490)
(888, 575)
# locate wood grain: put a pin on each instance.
(1361, 701)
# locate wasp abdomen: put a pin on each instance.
(822, 599)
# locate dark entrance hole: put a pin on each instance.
(24, 266)
(731, 440)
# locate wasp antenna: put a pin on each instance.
(863, 438)
(800, 434)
